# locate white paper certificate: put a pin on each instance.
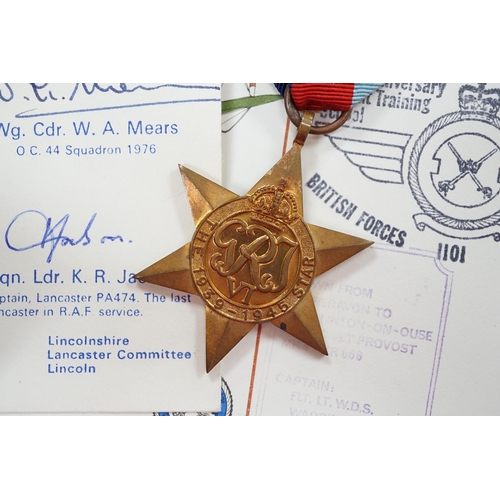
(90, 195)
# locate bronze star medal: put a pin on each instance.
(252, 258)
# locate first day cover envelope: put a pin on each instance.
(410, 323)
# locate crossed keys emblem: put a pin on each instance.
(467, 167)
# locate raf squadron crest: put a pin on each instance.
(454, 170)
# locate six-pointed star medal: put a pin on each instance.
(253, 259)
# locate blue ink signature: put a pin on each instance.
(6, 94)
(111, 238)
(44, 93)
(89, 89)
(53, 234)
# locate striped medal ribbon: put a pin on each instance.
(327, 96)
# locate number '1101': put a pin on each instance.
(453, 252)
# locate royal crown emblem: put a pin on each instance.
(479, 100)
(273, 205)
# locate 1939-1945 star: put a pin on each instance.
(252, 258)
